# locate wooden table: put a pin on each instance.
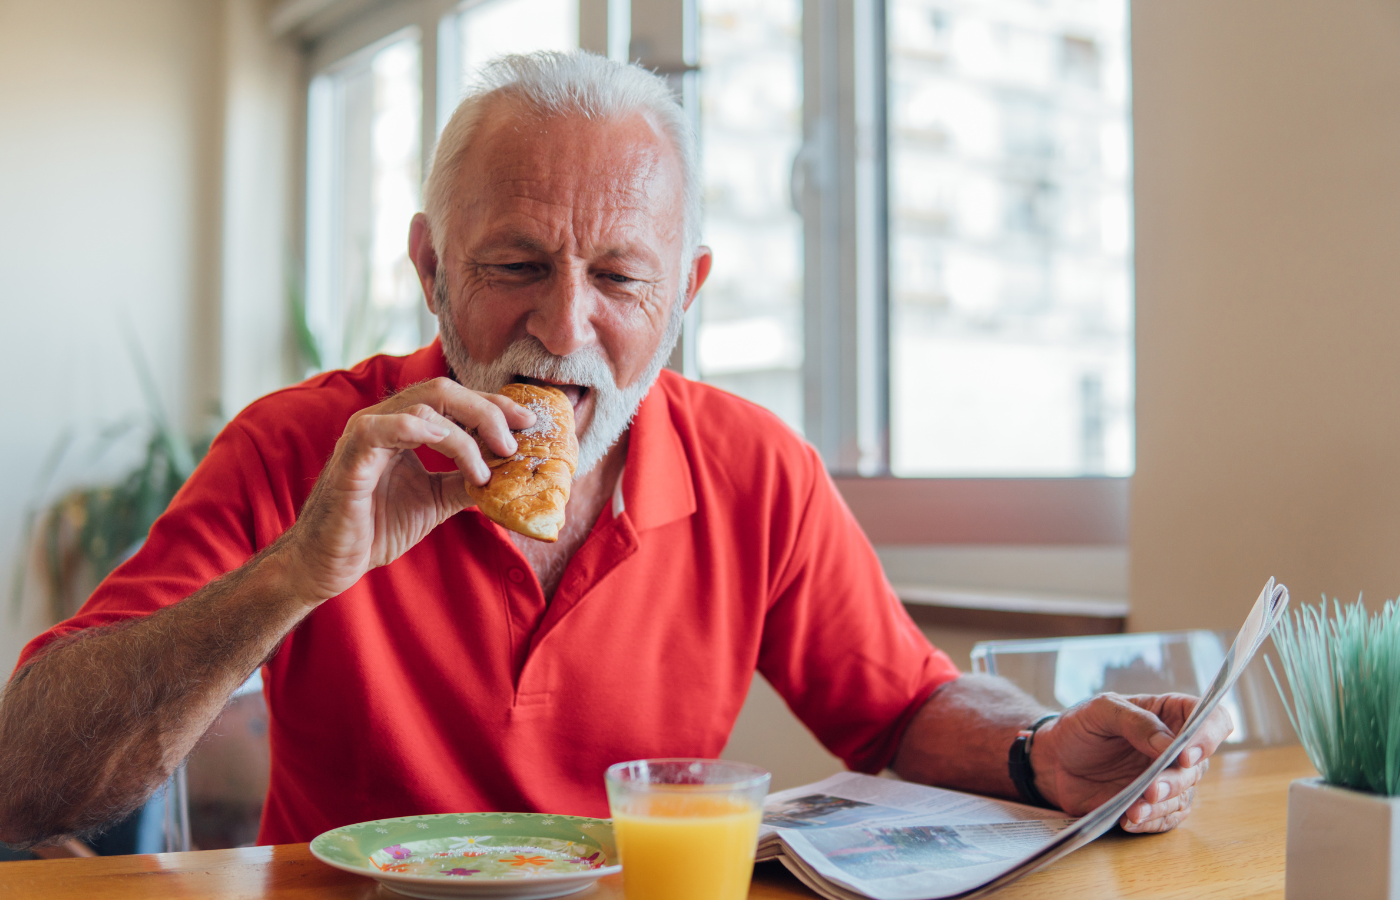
(1231, 847)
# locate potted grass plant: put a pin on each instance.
(1342, 667)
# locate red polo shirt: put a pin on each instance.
(444, 682)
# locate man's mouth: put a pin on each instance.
(575, 392)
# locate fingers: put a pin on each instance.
(1115, 716)
(1173, 710)
(486, 414)
(395, 431)
(455, 443)
(1146, 818)
(416, 426)
(517, 416)
(1214, 730)
(1172, 795)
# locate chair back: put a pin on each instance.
(1060, 672)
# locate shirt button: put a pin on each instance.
(516, 575)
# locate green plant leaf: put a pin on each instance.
(1343, 675)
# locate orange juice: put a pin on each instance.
(677, 847)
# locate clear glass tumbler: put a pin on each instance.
(686, 829)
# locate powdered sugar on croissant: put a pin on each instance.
(527, 492)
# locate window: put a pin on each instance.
(366, 159)
(920, 210)
(1010, 238)
(492, 28)
(750, 332)
(363, 176)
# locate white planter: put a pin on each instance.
(1341, 843)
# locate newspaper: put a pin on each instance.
(856, 836)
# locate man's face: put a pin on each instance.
(565, 236)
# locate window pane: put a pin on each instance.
(363, 183)
(749, 337)
(497, 27)
(1010, 238)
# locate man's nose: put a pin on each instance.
(563, 318)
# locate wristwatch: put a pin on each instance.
(1019, 762)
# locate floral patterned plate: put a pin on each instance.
(517, 855)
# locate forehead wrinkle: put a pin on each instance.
(579, 201)
(613, 197)
(623, 241)
(514, 237)
(630, 192)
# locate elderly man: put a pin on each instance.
(419, 658)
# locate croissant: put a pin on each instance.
(527, 492)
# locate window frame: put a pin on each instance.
(840, 185)
(841, 177)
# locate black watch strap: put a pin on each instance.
(1019, 763)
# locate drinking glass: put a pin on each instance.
(686, 829)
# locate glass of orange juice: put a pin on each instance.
(686, 829)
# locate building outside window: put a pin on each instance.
(1004, 154)
(1010, 238)
(365, 166)
(749, 321)
(492, 28)
(363, 176)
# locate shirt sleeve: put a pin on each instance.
(209, 529)
(838, 645)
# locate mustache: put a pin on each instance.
(587, 367)
(529, 357)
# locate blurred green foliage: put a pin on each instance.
(89, 531)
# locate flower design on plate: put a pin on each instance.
(346, 837)
(547, 822)
(461, 821)
(398, 851)
(464, 844)
(507, 821)
(523, 860)
(423, 825)
(460, 871)
(586, 825)
(382, 830)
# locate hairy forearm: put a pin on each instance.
(961, 736)
(99, 720)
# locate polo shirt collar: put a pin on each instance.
(657, 486)
(424, 364)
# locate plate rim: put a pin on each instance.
(556, 877)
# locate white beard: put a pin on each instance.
(613, 407)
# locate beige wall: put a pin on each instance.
(113, 206)
(1268, 302)
(264, 126)
(109, 149)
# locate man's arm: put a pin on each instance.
(99, 720)
(961, 737)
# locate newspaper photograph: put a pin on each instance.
(852, 836)
(887, 838)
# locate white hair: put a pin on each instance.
(551, 83)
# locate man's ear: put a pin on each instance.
(699, 271)
(425, 261)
